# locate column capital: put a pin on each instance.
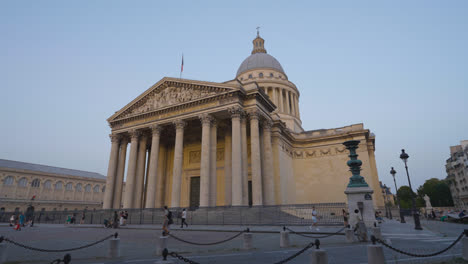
(236, 112)
(115, 138)
(254, 114)
(156, 129)
(267, 124)
(179, 124)
(134, 134)
(124, 140)
(206, 119)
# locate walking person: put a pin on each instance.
(167, 221)
(115, 223)
(21, 219)
(82, 218)
(184, 217)
(314, 219)
(12, 220)
(345, 218)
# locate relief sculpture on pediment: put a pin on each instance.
(170, 96)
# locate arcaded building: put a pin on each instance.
(48, 188)
(235, 143)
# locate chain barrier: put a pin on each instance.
(66, 260)
(175, 255)
(207, 244)
(300, 234)
(55, 250)
(374, 239)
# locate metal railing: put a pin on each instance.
(327, 214)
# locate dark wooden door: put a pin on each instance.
(194, 192)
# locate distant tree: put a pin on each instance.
(438, 191)
(404, 194)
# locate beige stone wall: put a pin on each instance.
(19, 191)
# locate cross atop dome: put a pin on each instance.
(258, 44)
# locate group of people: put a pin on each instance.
(18, 221)
(168, 220)
(71, 219)
(118, 219)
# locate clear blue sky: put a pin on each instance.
(399, 67)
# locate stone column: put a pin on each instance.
(161, 179)
(268, 180)
(153, 168)
(298, 114)
(236, 156)
(140, 171)
(111, 171)
(178, 163)
(205, 160)
(131, 170)
(120, 174)
(288, 102)
(293, 103)
(227, 168)
(245, 161)
(275, 97)
(213, 172)
(281, 104)
(257, 195)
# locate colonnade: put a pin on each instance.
(235, 164)
(286, 101)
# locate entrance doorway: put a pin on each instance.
(194, 192)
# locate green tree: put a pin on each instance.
(438, 191)
(404, 194)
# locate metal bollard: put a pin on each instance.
(375, 253)
(284, 239)
(318, 256)
(464, 248)
(349, 235)
(248, 237)
(376, 232)
(3, 251)
(161, 245)
(164, 260)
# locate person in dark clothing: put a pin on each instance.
(115, 224)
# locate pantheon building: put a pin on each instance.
(235, 143)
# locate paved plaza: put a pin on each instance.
(138, 243)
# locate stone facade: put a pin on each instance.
(240, 142)
(457, 173)
(52, 188)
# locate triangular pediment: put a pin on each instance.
(171, 92)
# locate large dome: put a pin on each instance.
(259, 60)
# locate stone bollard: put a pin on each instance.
(161, 245)
(464, 248)
(349, 234)
(114, 248)
(375, 253)
(3, 252)
(248, 241)
(377, 233)
(319, 256)
(284, 239)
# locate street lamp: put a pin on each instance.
(417, 223)
(402, 217)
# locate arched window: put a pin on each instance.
(47, 184)
(96, 189)
(8, 180)
(58, 185)
(79, 187)
(69, 186)
(250, 76)
(260, 75)
(88, 188)
(36, 183)
(103, 188)
(23, 182)
(271, 74)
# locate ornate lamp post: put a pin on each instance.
(402, 217)
(417, 223)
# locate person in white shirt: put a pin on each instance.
(183, 217)
(314, 219)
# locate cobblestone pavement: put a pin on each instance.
(138, 243)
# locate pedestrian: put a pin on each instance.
(345, 218)
(125, 215)
(17, 226)
(12, 220)
(167, 221)
(83, 216)
(21, 219)
(433, 214)
(314, 219)
(73, 219)
(183, 217)
(116, 220)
